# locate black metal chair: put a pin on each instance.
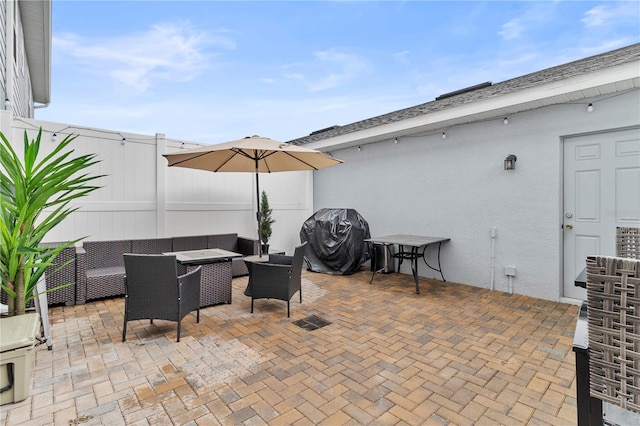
(279, 278)
(153, 290)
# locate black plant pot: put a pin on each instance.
(265, 249)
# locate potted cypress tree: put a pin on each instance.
(265, 222)
(34, 198)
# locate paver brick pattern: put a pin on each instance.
(451, 355)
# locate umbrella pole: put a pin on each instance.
(258, 209)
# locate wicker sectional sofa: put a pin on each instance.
(100, 264)
(96, 269)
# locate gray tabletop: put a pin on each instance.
(407, 240)
(194, 257)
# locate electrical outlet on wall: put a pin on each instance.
(510, 271)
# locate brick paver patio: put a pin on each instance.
(452, 355)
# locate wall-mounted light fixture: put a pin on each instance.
(510, 162)
(444, 135)
(7, 104)
(54, 138)
(506, 120)
(123, 141)
(359, 149)
(395, 141)
(590, 107)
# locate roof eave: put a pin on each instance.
(609, 80)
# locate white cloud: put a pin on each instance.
(402, 57)
(172, 52)
(532, 17)
(512, 29)
(334, 66)
(512, 61)
(605, 15)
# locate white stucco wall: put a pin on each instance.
(457, 188)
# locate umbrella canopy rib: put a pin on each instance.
(252, 154)
(311, 167)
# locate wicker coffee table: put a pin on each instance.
(215, 285)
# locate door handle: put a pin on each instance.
(568, 226)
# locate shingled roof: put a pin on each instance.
(484, 92)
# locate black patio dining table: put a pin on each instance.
(412, 248)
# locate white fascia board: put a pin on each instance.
(572, 89)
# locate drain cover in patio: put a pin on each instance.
(312, 322)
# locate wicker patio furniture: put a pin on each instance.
(230, 242)
(99, 265)
(278, 278)
(628, 242)
(155, 291)
(613, 299)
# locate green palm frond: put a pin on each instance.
(35, 196)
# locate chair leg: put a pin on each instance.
(252, 305)
(300, 294)
(124, 325)
(178, 330)
(198, 315)
(288, 310)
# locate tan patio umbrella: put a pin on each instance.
(251, 154)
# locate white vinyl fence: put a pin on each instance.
(140, 197)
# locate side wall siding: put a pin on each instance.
(22, 94)
(457, 188)
(3, 52)
(14, 69)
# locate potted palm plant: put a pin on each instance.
(265, 222)
(34, 197)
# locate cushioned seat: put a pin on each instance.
(105, 282)
(103, 269)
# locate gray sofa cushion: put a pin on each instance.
(100, 272)
(105, 282)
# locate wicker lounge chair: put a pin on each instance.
(628, 242)
(613, 298)
(153, 290)
(279, 278)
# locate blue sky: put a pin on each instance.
(213, 71)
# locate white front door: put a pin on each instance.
(601, 192)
